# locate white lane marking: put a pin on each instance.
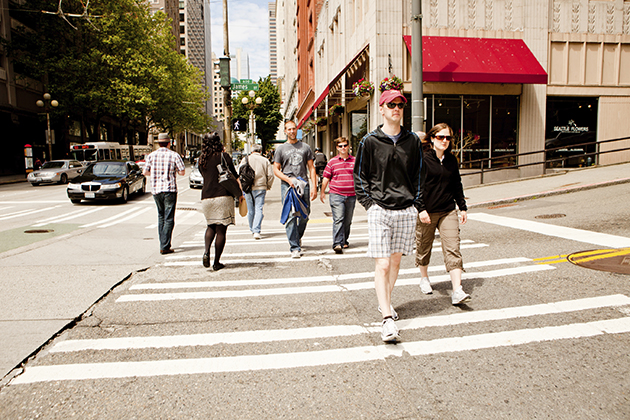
(124, 219)
(171, 263)
(109, 219)
(73, 215)
(266, 336)
(180, 217)
(5, 208)
(278, 240)
(317, 358)
(589, 237)
(27, 212)
(269, 282)
(147, 297)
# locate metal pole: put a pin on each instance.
(417, 108)
(227, 100)
(48, 138)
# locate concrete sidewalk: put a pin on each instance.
(546, 185)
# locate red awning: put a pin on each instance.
(478, 60)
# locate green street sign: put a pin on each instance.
(247, 81)
(245, 86)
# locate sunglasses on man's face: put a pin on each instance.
(392, 105)
(342, 145)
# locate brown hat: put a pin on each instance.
(163, 138)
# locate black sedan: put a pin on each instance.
(107, 180)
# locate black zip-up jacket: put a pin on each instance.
(443, 183)
(389, 174)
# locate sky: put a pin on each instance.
(249, 30)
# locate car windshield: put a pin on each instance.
(107, 169)
(49, 165)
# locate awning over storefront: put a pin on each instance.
(478, 60)
(323, 95)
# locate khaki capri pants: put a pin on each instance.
(447, 224)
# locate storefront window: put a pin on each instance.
(358, 129)
(483, 126)
(571, 122)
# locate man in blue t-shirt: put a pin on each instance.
(293, 160)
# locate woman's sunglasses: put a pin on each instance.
(392, 105)
(447, 138)
(342, 145)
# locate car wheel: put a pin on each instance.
(63, 179)
(75, 200)
(125, 195)
(34, 184)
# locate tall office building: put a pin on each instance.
(273, 46)
(239, 65)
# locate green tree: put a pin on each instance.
(121, 63)
(268, 116)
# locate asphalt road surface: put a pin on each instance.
(274, 337)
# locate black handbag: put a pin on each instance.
(227, 179)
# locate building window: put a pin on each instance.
(483, 126)
(571, 122)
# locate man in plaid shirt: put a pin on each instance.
(162, 166)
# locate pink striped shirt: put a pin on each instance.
(340, 173)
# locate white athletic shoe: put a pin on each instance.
(390, 334)
(425, 286)
(394, 313)
(459, 296)
(295, 254)
(256, 235)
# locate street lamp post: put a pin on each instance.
(46, 105)
(254, 103)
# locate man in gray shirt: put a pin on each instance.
(293, 160)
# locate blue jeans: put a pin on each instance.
(165, 202)
(296, 226)
(342, 210)
(255, 202)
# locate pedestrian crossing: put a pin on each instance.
(100, 216)
(289, 360)
(580, 318)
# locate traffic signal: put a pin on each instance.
(239, 124)
(224, 71)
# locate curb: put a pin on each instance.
(549, 193)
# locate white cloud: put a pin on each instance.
(249, 30)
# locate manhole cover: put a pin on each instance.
(39, 231)
(550, 216)
(611, 260)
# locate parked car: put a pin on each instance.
(195, 179)
(60, 171)
(108, 180)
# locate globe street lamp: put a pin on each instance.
(254, 103)
(46, 105)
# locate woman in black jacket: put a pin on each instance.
(217, 204)
(443, 189)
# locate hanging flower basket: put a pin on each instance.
(336, 109)
(321, 121)
(391, 83)
(308, 126)
(363, 88)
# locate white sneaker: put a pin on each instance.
(425, 286)
(389, 334)
(459, 296)
(394, 313)
(256, 235)
(295, 254)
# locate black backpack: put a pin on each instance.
(247, 176)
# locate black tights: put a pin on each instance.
(219, 231)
